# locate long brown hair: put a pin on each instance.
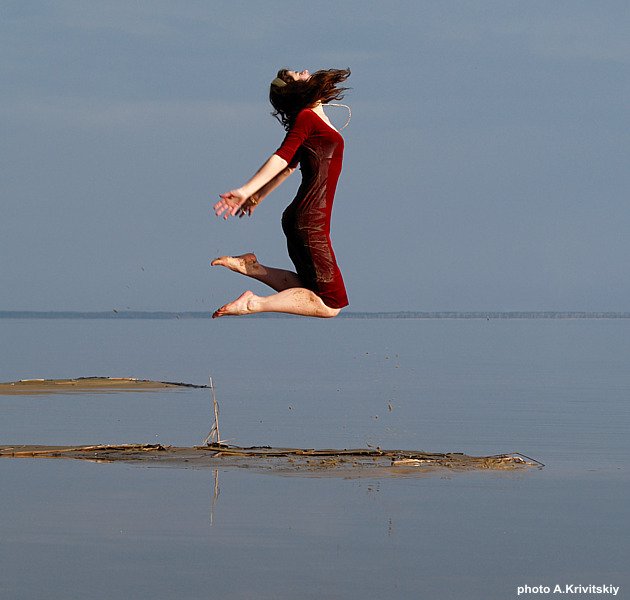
(288, 100)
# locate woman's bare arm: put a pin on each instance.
(232, 201)
(248, 207)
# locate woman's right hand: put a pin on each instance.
(230, 203)
(249, 206)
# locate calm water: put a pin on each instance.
(556, 390)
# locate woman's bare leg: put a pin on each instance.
(247, 264)
(294, 301)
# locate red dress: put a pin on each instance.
(318, 148)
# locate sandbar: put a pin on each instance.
(348, 463)
(86, 384)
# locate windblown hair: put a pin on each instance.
(288, 100)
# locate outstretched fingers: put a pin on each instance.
(229, 204)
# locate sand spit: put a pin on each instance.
(86, 384)
(284, 461)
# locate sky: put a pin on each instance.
(485, 167)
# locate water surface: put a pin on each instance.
(556, 390)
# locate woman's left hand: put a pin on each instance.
(230, 203)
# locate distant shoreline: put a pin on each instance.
(166, 315)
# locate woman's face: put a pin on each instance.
(299, 75)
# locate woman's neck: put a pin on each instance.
(318, 109)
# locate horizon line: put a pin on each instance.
(405, 314)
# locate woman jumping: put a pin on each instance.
(316, 289)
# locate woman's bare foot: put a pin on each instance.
(240, 306)
(294, 301)
(245, 264)
(248, 265)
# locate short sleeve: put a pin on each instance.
(302, 128)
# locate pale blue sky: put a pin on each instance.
(486, 163)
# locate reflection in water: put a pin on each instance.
(215, 494)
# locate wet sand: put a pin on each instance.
(329, 462)
(86, 384)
